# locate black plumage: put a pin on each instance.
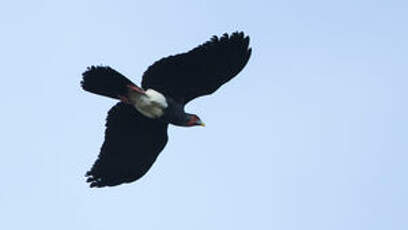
(132, 143)
(132, 140)
(99, 80)
(200, 71)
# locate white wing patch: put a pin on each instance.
(152, 104)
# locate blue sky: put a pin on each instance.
(311, 135)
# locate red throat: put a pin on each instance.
(193, 120)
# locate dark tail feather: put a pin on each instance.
(105, 81)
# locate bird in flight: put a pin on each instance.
(136, 127)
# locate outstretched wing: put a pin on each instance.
(132, 144)
(200, 71)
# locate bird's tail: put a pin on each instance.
(106, 81)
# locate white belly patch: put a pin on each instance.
(152, 104)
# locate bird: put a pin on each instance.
(136, 126)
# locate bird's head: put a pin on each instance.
(194, 120)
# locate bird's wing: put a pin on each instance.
(200, 71)
(132, 144)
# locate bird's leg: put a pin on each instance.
(133, 93)
(136, 89)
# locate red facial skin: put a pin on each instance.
(193, 121)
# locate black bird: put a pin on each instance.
(136, 127)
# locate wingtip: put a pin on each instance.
(93, 185)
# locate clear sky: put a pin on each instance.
(312, 134)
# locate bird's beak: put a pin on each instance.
(202, 123)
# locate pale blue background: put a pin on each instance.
(311, 135)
